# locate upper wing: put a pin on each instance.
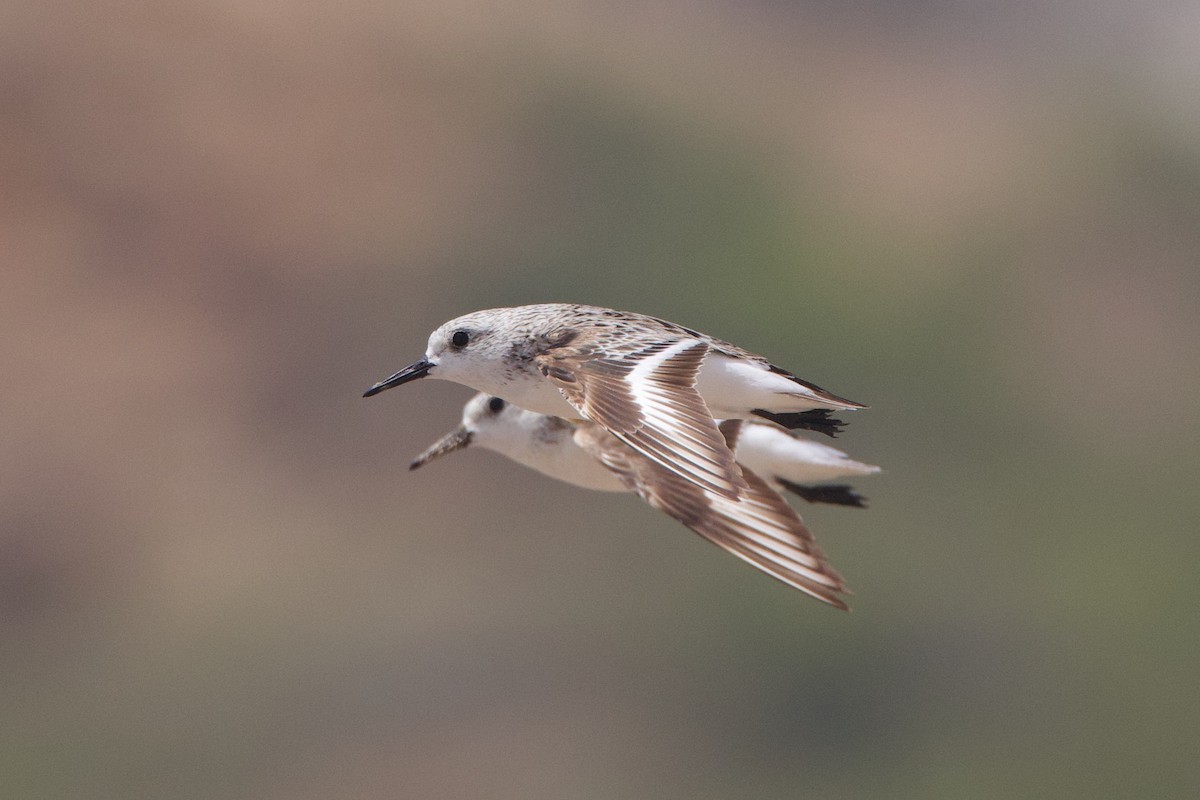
(758, 527)
(647, 398)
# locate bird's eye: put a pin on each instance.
(496, 404)
(460, 339)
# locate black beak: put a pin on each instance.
(410, 373)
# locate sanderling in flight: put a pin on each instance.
(759, 527)
(787, 461)
(656, 386)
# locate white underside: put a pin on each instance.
(527, 438)
(734, 387)
(768, 451)
(568, 462)
(773, 453)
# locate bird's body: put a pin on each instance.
(733, 382)
(758, 526)
(547, 444)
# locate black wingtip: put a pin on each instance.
(834, 494)
(817, 420)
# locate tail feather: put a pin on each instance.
(817, 420)
(835, 494)
(823, 394)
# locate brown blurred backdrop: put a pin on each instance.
(222, 221)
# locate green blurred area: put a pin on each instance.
(223, 222)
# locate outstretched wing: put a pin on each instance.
(646, 397)
(758, 526)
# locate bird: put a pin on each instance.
(655, 386)
(546, 444)
(759, 527)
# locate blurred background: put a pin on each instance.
(222, 221)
